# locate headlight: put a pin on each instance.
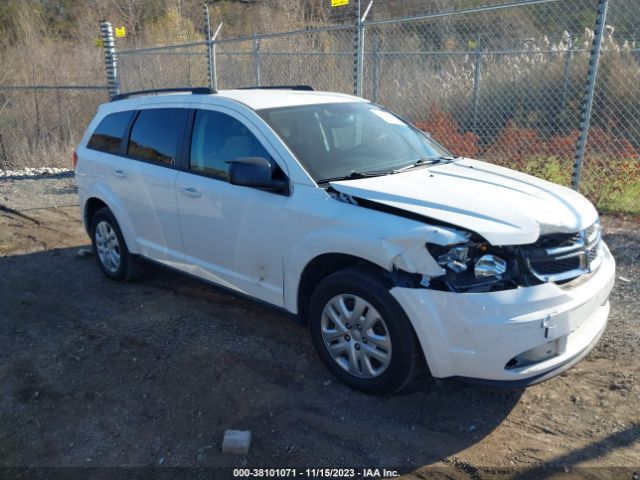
(455, 259)
(490, 266)
(474, 267)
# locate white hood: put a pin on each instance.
(504, 206)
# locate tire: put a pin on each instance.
(380, 357)
(106, 238)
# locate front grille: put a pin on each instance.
(563, 257)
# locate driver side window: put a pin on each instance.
(218, 139)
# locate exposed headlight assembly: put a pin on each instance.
(490, 266)
(473, 267)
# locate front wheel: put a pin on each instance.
(361, 333)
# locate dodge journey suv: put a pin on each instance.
(399, 256)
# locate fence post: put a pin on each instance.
(476, 84)
(215, 61)
(210, 56)
(360, 31)
(587, 104)
(110, 58)
(256, 59)
(357, 86)
(376, 67)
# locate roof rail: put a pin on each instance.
(307, 88)
(194, 90)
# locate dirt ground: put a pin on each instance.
(150, 374)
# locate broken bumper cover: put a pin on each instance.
(478, 335)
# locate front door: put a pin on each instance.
(231, 234)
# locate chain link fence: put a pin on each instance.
(47, 98)
(153, 68)
(507, 82)
(611, 171)
(503, 83)
(322, 58)
(40, 126)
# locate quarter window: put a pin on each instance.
(108, 135)
(155, 133)
(217, 140)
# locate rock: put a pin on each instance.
(236, 441)
(35, 172)
(84, 252)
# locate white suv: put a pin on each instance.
(395, 253)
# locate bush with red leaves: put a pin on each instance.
(444, 129)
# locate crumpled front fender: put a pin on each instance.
(406, 252)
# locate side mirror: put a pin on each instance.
(255, 172)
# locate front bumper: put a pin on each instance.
(475, 335)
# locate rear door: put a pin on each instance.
(155, 140)
(231, 234)
(103, 163)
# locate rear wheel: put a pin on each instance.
(361, 332)
(110, 249)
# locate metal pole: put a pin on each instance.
(207, 30)
(360, 27)
(358, 52)
(476, 85)
(376, 67)
(587, 104)
(110, 58)
(213, 56)
(256, 59)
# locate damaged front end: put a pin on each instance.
(477, 267)
(460, 261)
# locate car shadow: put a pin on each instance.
(150, 374)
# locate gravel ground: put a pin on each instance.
(150, 374)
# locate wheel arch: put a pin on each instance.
(104, 199)
(91, 206)
(321, 267)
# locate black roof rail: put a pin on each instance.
(194, 90)
(307, 88)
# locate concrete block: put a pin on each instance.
(236, 441)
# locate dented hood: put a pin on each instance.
(504, 206)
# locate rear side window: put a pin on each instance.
(108, 135)
(218, 139)
(155, 134)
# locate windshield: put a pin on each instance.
(342, 139)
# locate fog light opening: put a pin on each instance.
(535, 355)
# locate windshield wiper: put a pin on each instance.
(355, 175)
(423, 161)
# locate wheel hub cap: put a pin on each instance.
(108, 246)
(356, 336)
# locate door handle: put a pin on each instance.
(190, 192)
(119, 173)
